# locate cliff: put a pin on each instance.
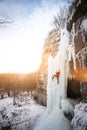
(77, 85)
(50, 48)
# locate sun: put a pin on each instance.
(19, 61)
(19, 55)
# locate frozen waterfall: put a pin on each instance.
(57, 102)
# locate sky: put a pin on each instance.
(21, 42)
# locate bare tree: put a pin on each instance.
(61, 18)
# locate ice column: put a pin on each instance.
(53, 118)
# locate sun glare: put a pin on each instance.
(20, 54)
(20, 62)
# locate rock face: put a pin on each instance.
(77, 10)
(79, 17)
(50, 48)
(77, 85)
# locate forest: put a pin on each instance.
(12, 84)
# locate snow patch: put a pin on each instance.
(84, 25)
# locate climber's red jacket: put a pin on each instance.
(57, 73)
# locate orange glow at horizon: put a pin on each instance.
(19, 63)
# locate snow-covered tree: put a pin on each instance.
(4, 22)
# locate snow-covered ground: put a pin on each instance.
(79, 122)
(19, 117)
(26, 115)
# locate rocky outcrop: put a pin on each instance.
(77, 10)
(50, 48)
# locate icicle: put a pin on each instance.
(73, 47)
(70, 52)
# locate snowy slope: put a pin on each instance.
(18, 118)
